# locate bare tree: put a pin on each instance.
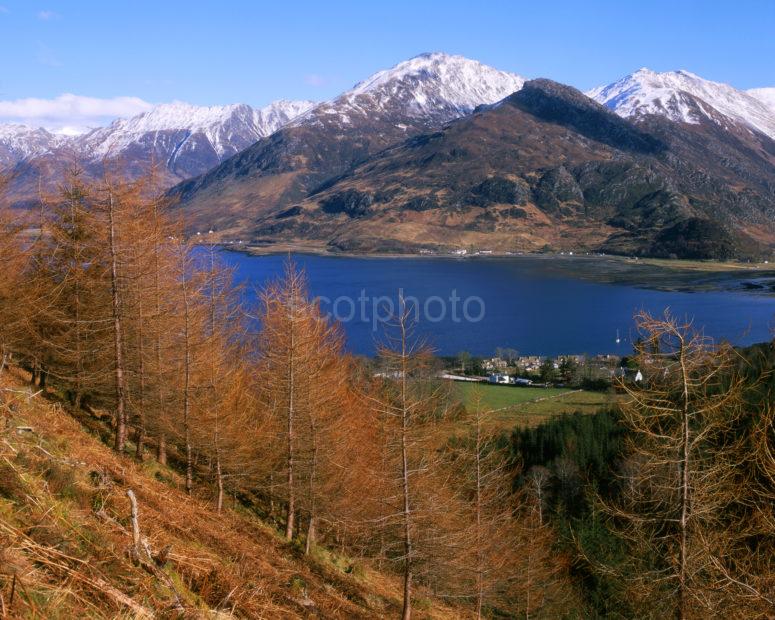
(417, 501)
(302, 389)
(15, 259)
(674, 509)
(486, 545)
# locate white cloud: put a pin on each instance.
(70, 113)
(47, 15)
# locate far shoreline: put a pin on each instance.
(671, 275)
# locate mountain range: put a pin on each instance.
(442, 152)
(182, 140)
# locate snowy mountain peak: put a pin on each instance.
(431, 85)
(18, 142)
(186, 139)
(765, 95)
(674, 94)
(178, 115)
(227, 128)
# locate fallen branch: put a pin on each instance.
(69, 462)
(141, 553)
(122, 599)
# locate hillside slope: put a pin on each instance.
(65, 532)
(549, 167)
(417, 95)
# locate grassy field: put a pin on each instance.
(500, 396)
(526, 406)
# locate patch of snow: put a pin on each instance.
(227, 128)
(765, 95)
(433, 87)
(19, 142)
(669, 94)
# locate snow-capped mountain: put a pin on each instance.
(179, 139)
(432, 88)
(19, 142)
(166, 133)
(685, 97)
(434, 84)
(226, 129)
(765, 95)
(417, 96)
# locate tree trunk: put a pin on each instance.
(406, 613)
(213, 389)
(161, 450)
(219, 478)
(140, 413)
(187, 387)
(407, 608)
(312, 482)
(291, 413)
(310, 534)
(118, 345)
(685, 497)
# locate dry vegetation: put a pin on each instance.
(258, 471)
(65, 534)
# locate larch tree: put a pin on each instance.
(302, 381)
(224, 397)
(417, 504)
(67, 328)
(15, 259)
(487, 545)
(674, 508)
(190, 330)
(162, 285)
(78, 308)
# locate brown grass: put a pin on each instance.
(64, 536)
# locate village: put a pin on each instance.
(507, 367)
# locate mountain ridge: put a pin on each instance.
(648, 92)
(706, 149)
(547, 167)
(181, 140)
(417, 95)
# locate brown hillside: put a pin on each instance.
(65, 532)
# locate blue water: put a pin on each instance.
(516, 303)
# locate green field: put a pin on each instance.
(501, 396)
(512, 406)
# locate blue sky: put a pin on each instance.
(255, 52)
